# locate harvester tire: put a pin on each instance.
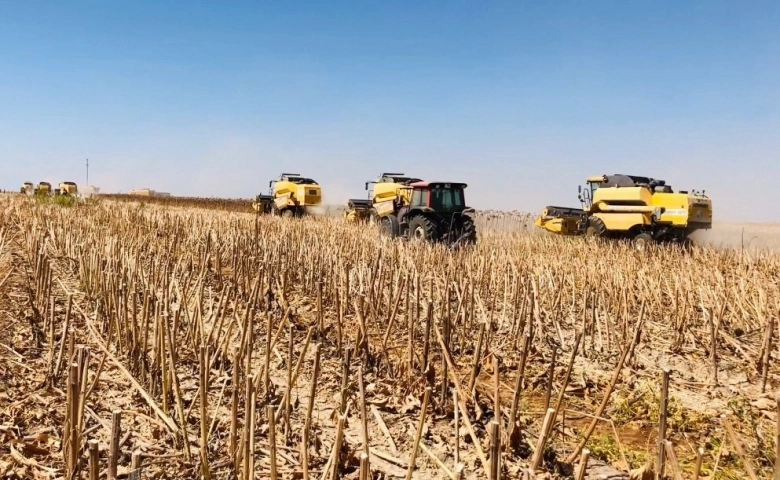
(642, 241)
(596, 227)
(373, 218)
(422, 228)
(287, 213)
(389, 226)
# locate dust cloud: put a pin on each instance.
(325, 210)
(748, 236)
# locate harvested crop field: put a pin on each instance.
(166, 340)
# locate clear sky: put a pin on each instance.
(520, 99)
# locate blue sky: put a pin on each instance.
(522, 100)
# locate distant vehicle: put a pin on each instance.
(68, 188)
(43, 188)
(642, 209)
(290, 195)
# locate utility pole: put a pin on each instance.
(87, 185)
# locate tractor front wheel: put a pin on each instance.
(469, 230)
(422, 229)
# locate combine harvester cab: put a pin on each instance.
(641, 209)
(290, 196)
(388, 189)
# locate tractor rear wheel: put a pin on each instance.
(422, 229)
(469, 230)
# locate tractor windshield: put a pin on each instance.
(447, 199)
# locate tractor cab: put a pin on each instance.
(439, 197)
(431, 211)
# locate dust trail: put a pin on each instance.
(747, 236)
(325, 210)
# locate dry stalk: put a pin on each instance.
(418, 434)
(740, 450)
(662, 414)
(113, 446)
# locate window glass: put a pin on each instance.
(446, 198)
(417, 198)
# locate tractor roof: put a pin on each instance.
(438, 184)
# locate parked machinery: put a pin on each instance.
(28, 188)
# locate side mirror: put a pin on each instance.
(579, 189)
(366, 185)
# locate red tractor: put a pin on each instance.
(435, 212)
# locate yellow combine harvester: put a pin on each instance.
(43, 188)
(388, 190)
(642, 209)
(28, 188)
(289, 196)
(68, 188)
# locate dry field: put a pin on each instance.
(173, 341)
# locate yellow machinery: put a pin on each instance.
(43, 188)
(289, 196)
(27, 188)
(388, 190)
(631, 207)
(68, 188)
